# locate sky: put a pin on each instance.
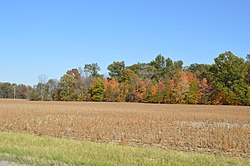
(50, 37)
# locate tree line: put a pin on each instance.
(162, 80)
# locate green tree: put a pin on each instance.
(172, 68)
(116, 70)
(248, 68)
(98, 90)
(159, 64)
(248, 95)
(67, 85)
(193, 94)
(127, 86)
(200, 70)
(79, 87)
(92, 69)
(228, 77)
(178, 65)
(168, 94)
(169, 71)
(143, 70)
(6, 90)
(33, 95)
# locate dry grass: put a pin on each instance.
(213, 129)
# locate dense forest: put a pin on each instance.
(162, 80)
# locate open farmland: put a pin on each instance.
(214, 129)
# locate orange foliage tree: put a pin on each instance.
(111, 90)
(140, 90)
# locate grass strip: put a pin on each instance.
(44, 150)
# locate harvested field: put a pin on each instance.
(214, 129)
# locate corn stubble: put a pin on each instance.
(214, 129)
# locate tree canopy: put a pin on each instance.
(161, 80)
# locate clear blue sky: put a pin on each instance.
(51, 36)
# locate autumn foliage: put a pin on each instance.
(162, 80)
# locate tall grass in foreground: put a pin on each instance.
(35, 150)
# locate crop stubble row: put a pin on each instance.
(214, 129)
